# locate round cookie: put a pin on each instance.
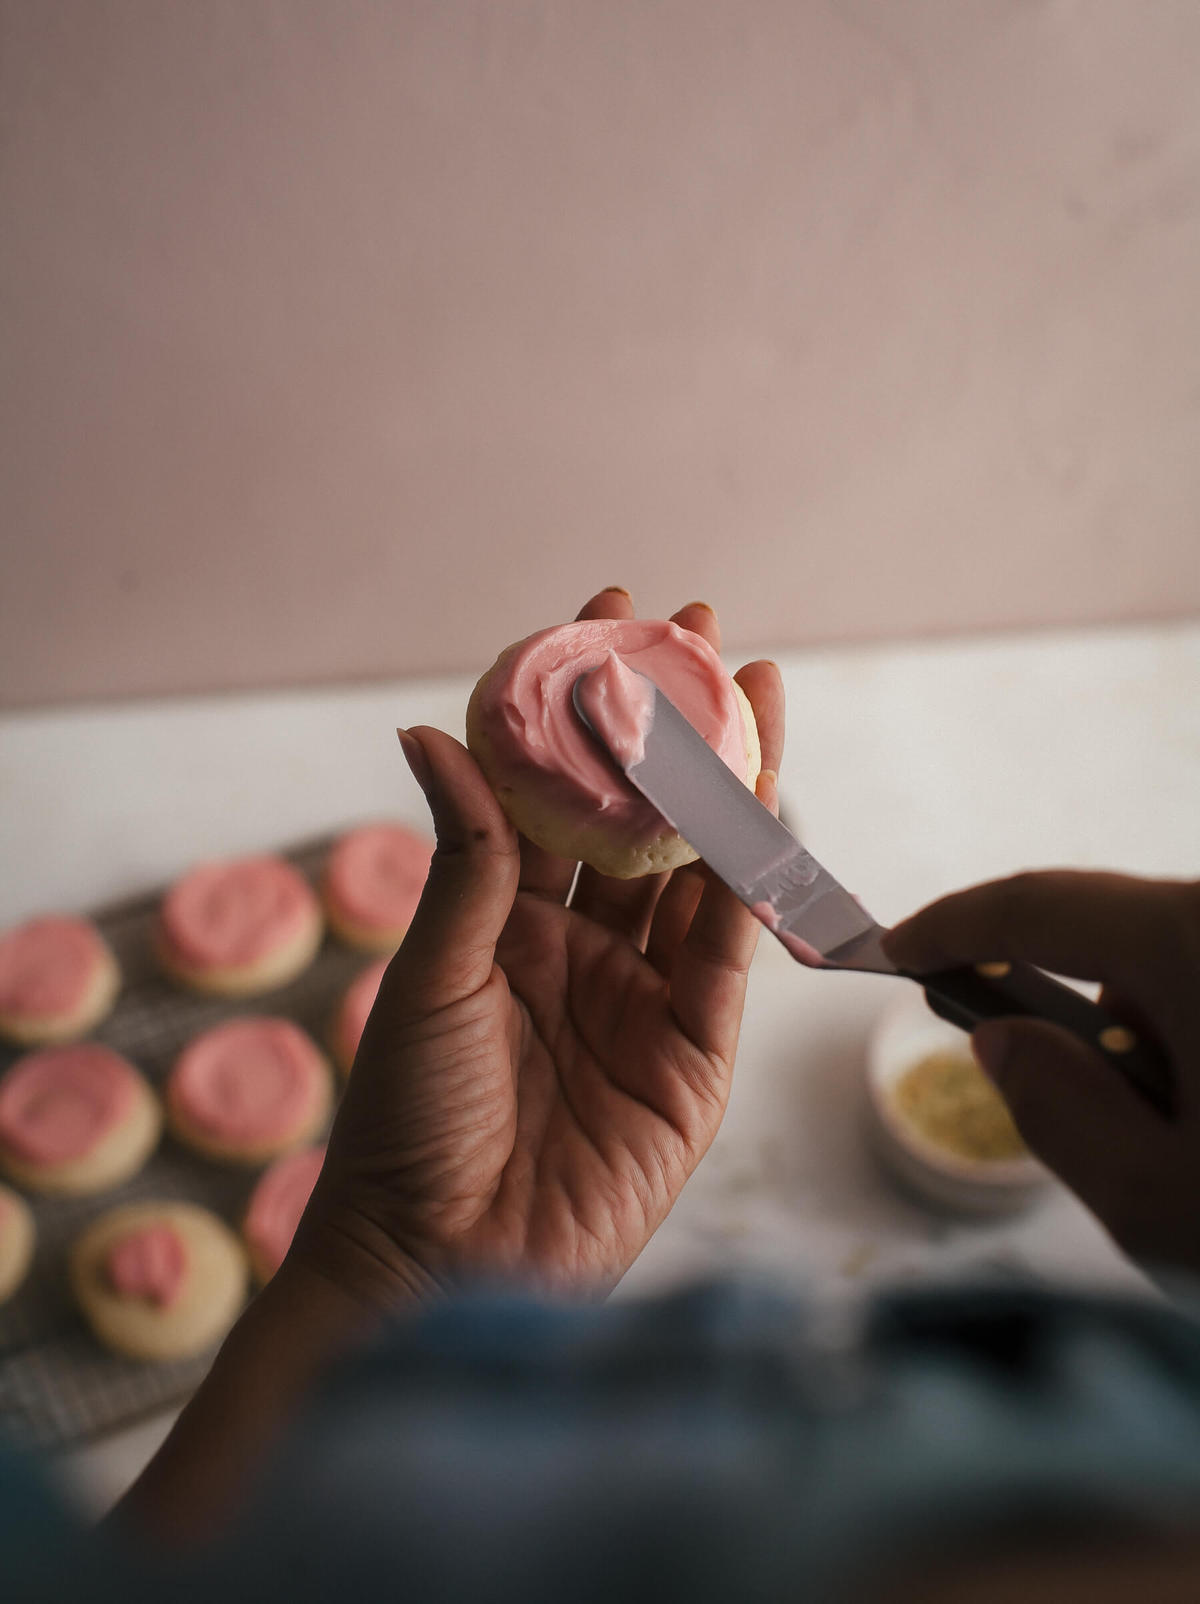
(158, 1280)
(350, 1020)
(550, 775)
(275, 1207)
(58, 979)
(248, 1090)
(75, 1120)
(17, 1236)
(372, 883)
(239, 928)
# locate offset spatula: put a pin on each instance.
(817, 920)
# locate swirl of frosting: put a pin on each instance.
(149, 1264)
(277, 1203)
(222, 915)
(375, 875)
(619, 707)
(47, 966)
(246, 1082)
(537, 740)
(356, 1006)
(58, 1104)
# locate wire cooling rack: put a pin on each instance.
(57, 1384)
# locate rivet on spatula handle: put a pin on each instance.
(968, 997)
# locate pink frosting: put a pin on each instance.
(802, 951)
(58, 1104)
(148, 1264)
(47, 966)
(375, 875)
(356, 1005)
(277, 1203)
(526, 711)
(620, 707)
(246, 1082)
(221, 915)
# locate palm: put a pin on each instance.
(603, 1105)
(544, 1123)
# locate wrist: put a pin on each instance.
(299, 1326)
(353, 1270)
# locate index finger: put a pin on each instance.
(1108, 927)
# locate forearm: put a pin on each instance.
(285, 1340)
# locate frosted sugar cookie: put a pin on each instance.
(372, 884)
(551, 777)
(239, 928)
(248, 1090)
(57, 979)
(17, 1237)
(75, 1120)
(275, 1207)
(158, 1280)
(351, 1017)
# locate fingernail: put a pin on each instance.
(414, 756)
(618, 590)
(770, 776)
(707, 608)
(992, 1044)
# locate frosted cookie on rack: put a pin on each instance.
(58, 978)
(248, 1090)
(372, 883)
(275, 1207)
(158, 1280)
(238, 928)
(550, 775)
(75, 1120)
(351, 1018)
(17, 1236)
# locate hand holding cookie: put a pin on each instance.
(545, 1066)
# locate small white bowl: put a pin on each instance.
(906, 1032)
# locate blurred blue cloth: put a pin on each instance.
(725, 1443)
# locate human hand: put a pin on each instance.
(537, 1080)
(1137, 1171)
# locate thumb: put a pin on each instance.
(1075, 1112)
(448, 951)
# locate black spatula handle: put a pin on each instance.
(969, 996)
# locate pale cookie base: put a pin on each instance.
(337, 1050)
(118, 1155)
(246, 980)
(378, 943)
(213, 1289)
(262, 1271)
(49, 1030)
(17, 1236)
(303, 1133)
(537, 820)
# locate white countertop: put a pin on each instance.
(910, 770)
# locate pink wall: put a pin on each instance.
(346, 338)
